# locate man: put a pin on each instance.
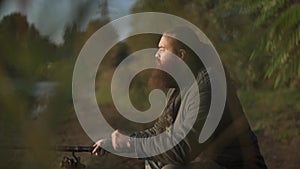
(232, 145)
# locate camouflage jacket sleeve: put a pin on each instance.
(187, 146)
(164, 121)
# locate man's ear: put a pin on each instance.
(182, 54)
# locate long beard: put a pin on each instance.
(160, 80)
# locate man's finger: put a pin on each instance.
(95, 150)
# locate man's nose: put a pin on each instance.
(157, 55)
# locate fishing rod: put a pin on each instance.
(67, 162)
(74, 161)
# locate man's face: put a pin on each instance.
(165, 48)
(165, 60)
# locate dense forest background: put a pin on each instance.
(257, 40)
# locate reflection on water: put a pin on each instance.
(42, 93)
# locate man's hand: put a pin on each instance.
(98, 150)
(120, 142)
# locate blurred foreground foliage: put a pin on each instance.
(257, 40)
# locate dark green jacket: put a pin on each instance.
(232, 145)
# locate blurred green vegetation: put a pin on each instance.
(258, 41)
(274, 113)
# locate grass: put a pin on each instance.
(273, 112)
